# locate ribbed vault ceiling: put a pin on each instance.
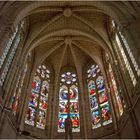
(68, 34)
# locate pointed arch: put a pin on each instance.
(98, 98)
(38, 103)
(68, 101)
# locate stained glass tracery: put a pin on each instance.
(38, 103)
(68, 102)
(99, 106)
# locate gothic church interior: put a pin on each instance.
(69, 59)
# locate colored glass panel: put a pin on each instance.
(102, 97)
(30, 116)
(100, 83)
(95, 118)
(33, 100)
(45, 88)
(41, 120)
(93, 102)
(36, 84)
(106, 116)
(91, 88)
(61, 122)
(75, 122)
(73, 93)
(74, 107)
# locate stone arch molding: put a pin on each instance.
(15, 13)
(65, 32)
(95, 57)
(59, 22)
(28, 8)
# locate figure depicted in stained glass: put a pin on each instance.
(75, 121)
(73, 92)
(95, 118)
(43, 103)
(93, 101)
(45, 88)
(41, 120)
(61, 122)
(63, 93)
(30, 116)
(102, 97)
(100, 83)
(63, 107)
(91, 87)
(33, 100)
(36, 84)
(105, 111)
(73, 107)
(15, 101)
(15, 105)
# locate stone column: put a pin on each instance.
(55, 105)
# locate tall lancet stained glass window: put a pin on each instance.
(38, 103)
(99, 105)
(68, 101)
(115, 89)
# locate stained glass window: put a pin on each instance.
(68, 101)
(38, 103)
(99, 105)
(11, 56)
(115, 90)
(130, 54)
(17, 93)
(120, 37)
(126, 62)
(8, 46)
(9, 52)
